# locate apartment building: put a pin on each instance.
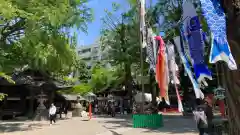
(90, 53)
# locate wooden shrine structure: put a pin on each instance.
(24, 96)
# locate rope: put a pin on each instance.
(218, 83)
(223, 77)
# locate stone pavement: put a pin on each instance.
(120, 125)
(173, 125)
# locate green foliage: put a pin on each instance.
(82, 88)
(70, 80)
(102, 78)
(121, 39)
(171, 11)
(82, 73)
(2, 96)
(31, 15)
(115, 6)
(9, 79)
(35, 33)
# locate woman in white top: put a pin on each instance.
(52, 113)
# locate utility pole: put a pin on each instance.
(142, 28)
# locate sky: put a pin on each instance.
(94, 27)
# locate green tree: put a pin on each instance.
(120, 38)
(34, 33)
(82, 72)
(29, 18)
(82, 88)
(102, 78)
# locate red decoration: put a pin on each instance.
(90, 111)
(221, 107)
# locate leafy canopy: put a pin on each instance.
(35, 33)
(102, 78)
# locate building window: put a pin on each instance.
(85, 50)
(87, 58)
(95, 50)
(95, 57)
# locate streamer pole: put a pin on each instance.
(142, 34)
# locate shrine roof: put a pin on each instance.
(35, 79)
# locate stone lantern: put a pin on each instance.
(78, 108)
(42, 112)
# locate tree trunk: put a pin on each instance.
(31, 103)
(153, 88)
(232, 78)
(128, 81)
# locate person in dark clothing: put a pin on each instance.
(87, 107)
(113, 110)
(61, 109)
(209, 114)
(109, 108)
(66, 107)
(205, 126)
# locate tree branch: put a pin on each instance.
(8, 30)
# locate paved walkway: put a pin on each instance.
(173, 125)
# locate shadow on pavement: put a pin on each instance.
(118, 124)
(18, 126)
(119, 121)
(114, 133)
(118, 116)
(173, 124)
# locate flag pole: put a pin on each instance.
(142, 28)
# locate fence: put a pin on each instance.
(147, 120)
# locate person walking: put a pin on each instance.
(96, 109)
(61, 110)
(204, 116)
(109, 108)
(209, 114)
(52, 113)
(113, 109)
(200, 117)
(66, 110)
